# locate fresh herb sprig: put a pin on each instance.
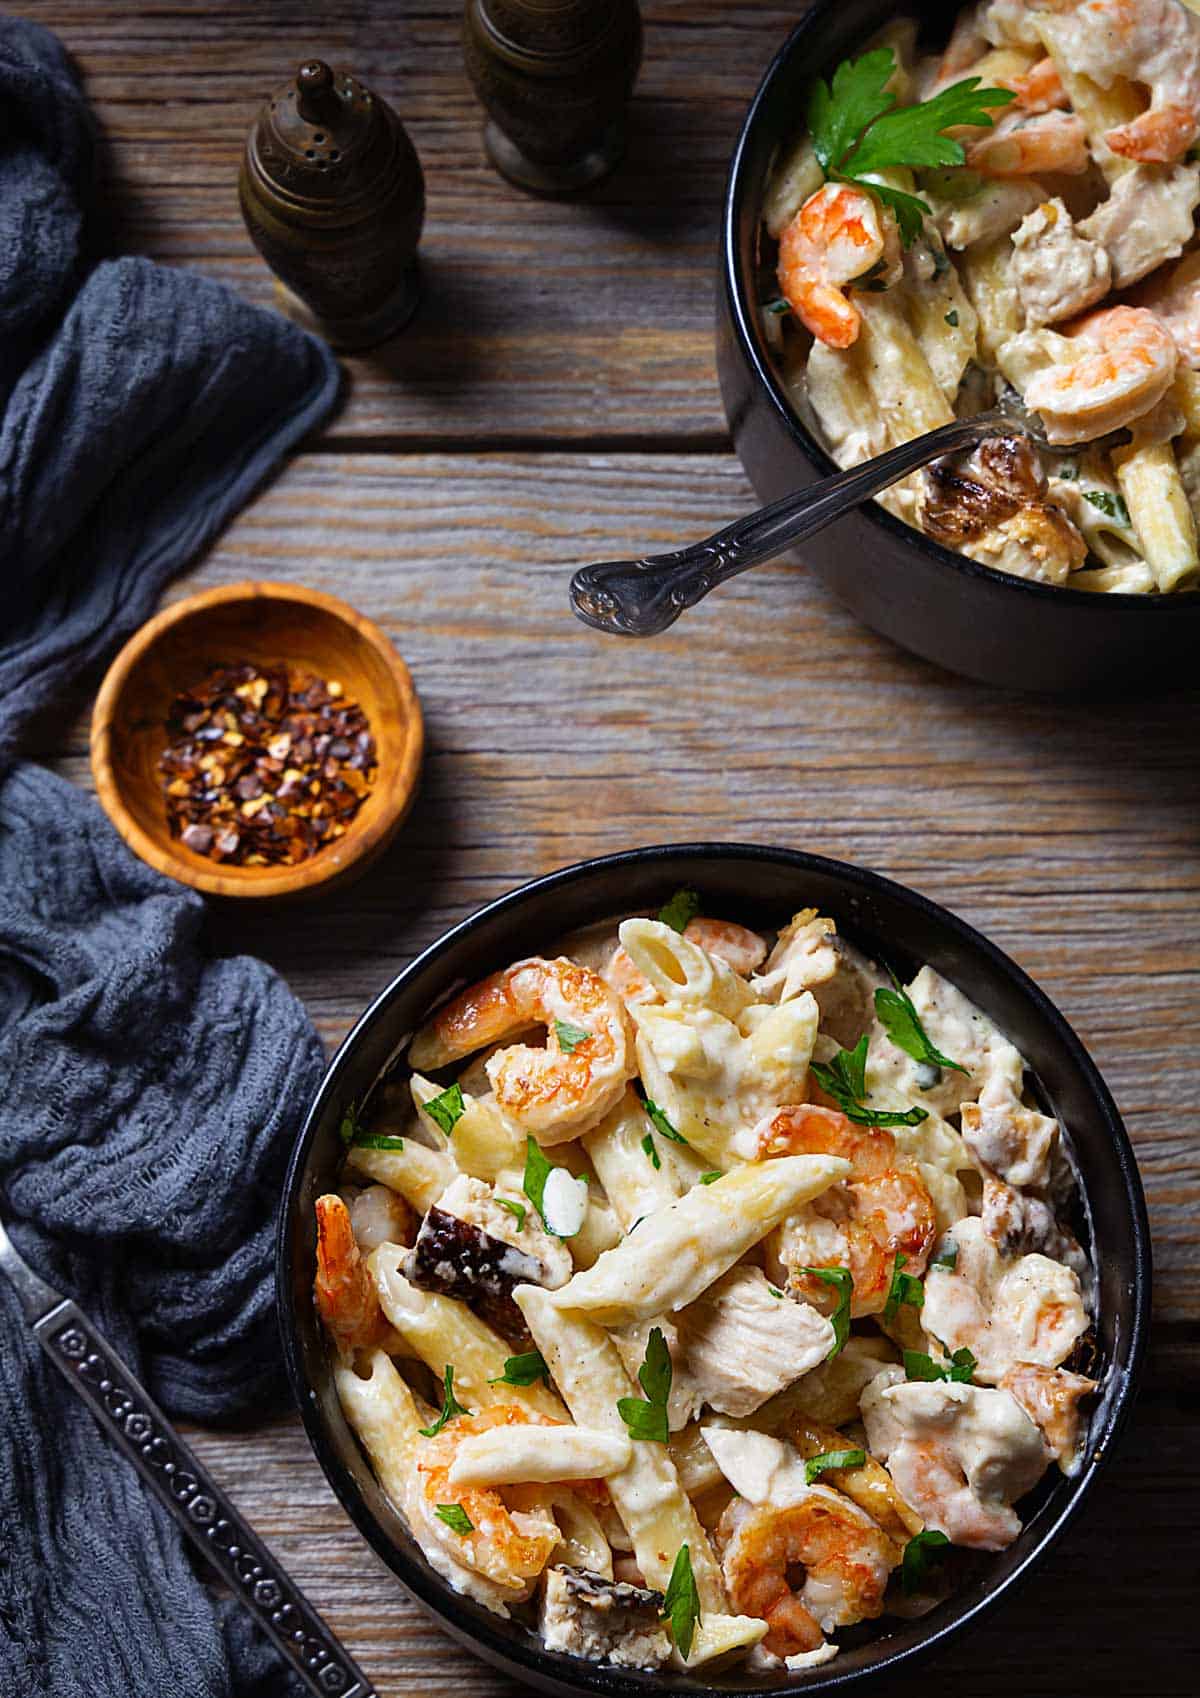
(451, 1407)
(447, 1109)
(960, 1369)
(902, 1023)
(354, 1134)
(845, 1080)
(682, 908)
(842, 1281)
(917, 1554)
(857, 129)
(523, 1370)
(651, 1153)
(646, 1418)
(662, 1122)
(515, 1209)
(570, 1037)
(455, 1517)
(826, 1459)
(904, 1288)
(681, 1603)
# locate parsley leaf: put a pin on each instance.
(354, 1134)
(858, 130)
(569, 1037)
(1111, 505)
(814, 1465)
(844, 1079)
(523, 1370)
(916, 1558)
(685, 904)
(447, 1109)
(951, 318)
(537, 1171)
(775, 1292)
(919, 1365)
(681, 1604)
(776, 308)
(843, 1282)
(711, 1178)
(902, 1023)
(646, 1417)
(947, 1258)
(517, 1209)
(904, 1288)
(662, 1123)
(652, 1153)
(455, 1517)
(450, 1406)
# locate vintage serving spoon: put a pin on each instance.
(640, 598)
(142, 1432)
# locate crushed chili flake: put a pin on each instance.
(264, 767)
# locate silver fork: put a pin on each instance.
(140, 1430)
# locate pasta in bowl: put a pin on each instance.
(682, 1298)
(1012, 210)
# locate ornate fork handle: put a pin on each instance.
(640, 598)
(138, 1427)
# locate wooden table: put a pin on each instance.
(556, 401)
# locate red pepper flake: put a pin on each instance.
(264, 767)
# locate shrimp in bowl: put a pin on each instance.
(725, 1368)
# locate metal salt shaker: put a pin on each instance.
(333, 196)
(555, 78)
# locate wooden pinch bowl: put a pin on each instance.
(262, 623)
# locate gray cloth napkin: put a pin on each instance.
(148, 1091)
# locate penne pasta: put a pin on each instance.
(1158, 508)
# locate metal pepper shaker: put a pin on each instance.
(333, 196)
(555, 78)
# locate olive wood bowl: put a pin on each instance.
(263, 623)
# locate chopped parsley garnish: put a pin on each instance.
(904, 1288)
(455, 1517)
(355, 1136)
(917, 1554)
(902, 1023)
(646, 1417)
(685, 904)
(662, 1123)
(447, 1109)
(681, 1604)
(517, 1209)
(523, 1370)
(919, 1365)
(652, 1154)
(858, 129)
(569, 1037)
(774, 1290)
(814, 1465)
(711, 1178)
(947, 1258)
(778, 308)
(1113, 506)
(842, 1281)
(451, 1407)
(845, 1080)
(952, 318)
(537, 1173)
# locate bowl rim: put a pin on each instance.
(522, 1655)
(744, 316)
(240, 883)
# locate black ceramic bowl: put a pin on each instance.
(763, 886)
(986, 624)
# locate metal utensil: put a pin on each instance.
(640, 598)
(142, 1432)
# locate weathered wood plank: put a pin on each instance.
(1065, 833)
(541, 319)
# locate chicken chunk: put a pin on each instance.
(809, 955)
(1145, 220)
(967, 212)
(606, 1621)
(1011, 1141)
(994, 508)
(742, 1345)
(1057, 271)
(1051, 1398)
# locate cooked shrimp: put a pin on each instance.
(738, 947)
(837, 236)
(345, 1293)
(507, 1546)
(845, 1557)
(1039, 89)
(935, 1485)
(1051, 1398)
(884, 1208)
(1024, 146)
(1152, 42)
(1121, 363)
(556, 1092)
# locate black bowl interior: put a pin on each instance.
(833, 30)
(763, 887)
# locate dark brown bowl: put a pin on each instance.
(764, 887)
(967, 617)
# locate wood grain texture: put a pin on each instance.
(541, 319)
